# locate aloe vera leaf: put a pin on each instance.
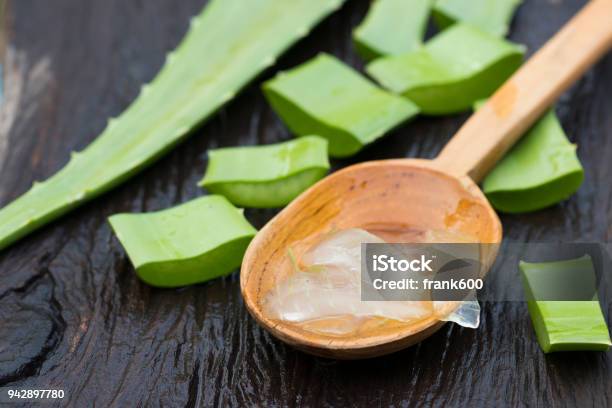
(193, 242)
(266, 176)
(325, 97)
(565, 325)
(228, 44)
(491, 16)
(452, 71)
(542, 169)
(392, 27)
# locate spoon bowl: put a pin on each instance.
(403, 194)
(440, 194)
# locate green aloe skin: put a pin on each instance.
(493, 17)
(325, 97)
(565, 325)
(194, 242)
(541, 170)
(453, 70)
(266, 176)
(392, 27)
(227, 45)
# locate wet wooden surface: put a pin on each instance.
(74, 316)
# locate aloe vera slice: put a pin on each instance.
(327, 98)
(542, 169)
(266, 176)
(453, 70)
(194, 242)
(491, 16)
(392, 27)
(565, 325)
(228, 44)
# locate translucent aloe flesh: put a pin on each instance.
(491, 16)
(228, 44)
(542, 169)
(392, 27)
(452, 71)
(565, 325)
(266, 176)
(194, 242)
(325, 97)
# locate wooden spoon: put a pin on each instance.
(423, 194)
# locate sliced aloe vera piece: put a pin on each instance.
(392, 27)
(266, 176)
(542, 169)
(327, 98)
(453, 70)
(491, 16)
(228, 44)
(194, 242)
(565, 325)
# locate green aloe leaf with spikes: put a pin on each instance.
(228, 44)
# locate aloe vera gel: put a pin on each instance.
(322, 293)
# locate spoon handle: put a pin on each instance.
(509, 113)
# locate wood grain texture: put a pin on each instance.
(73, 315)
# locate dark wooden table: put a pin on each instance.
(74, 316)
